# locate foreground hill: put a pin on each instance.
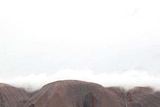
(73, 93)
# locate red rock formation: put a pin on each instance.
(12, 97)
(73, 94)
(119, 94)
(143, 97)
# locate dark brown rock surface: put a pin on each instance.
(119, 93)
(73, 94)
(143, 97)
(138, 96)
(12, 97)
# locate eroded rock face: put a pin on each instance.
(73, 94)
(138, 97)
(12, 97)
(143, 97)
(119, 94)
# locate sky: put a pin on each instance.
(42, 38)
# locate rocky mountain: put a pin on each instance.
(73, 93)
(12, 97)
(143, 97)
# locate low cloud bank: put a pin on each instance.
(127, 79)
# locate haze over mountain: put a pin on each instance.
(127, 80)
(114, 43)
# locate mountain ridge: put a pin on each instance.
(75, 93)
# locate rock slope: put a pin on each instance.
(143, 97)
(12, 97)
(73, 93)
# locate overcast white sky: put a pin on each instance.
(97, 35)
